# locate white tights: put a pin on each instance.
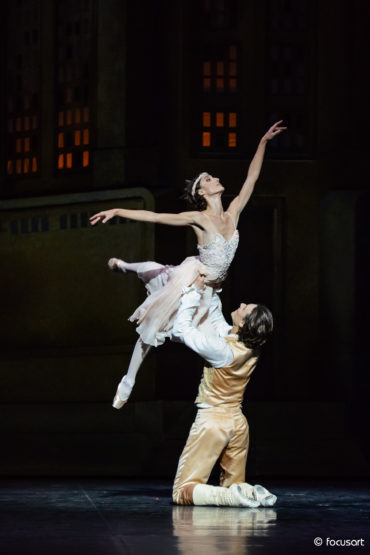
(141, 349)
(125, 386)
(154, 276)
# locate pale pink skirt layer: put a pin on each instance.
(164, 285)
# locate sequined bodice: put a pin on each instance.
(218, 255)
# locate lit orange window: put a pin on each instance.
(232, 119)
(77, 137)
(18, 145)
(220, 83)
(10, 167)
(232, 84)
(206, 68)
(27, 144)
(18, 124)
(73, 67)
(26, 123)
(220, 68)
(206, 119)
(26, 165)
(206, 83)
(61, 119)
(18, 166)
(219, 119)
(60, 140)
(34, 164)
(206, 138)
(232, 140)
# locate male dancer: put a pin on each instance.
(220, 428)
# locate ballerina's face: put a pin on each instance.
(210, 185)
(239, 315)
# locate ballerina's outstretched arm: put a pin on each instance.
(181, 219)
(238, 203)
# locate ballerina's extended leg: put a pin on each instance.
(128, 381)
(154, 276)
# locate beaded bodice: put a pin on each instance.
(218, 255)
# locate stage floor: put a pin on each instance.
(131, 517)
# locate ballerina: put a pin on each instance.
(217, 236)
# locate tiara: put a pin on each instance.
(196, 183)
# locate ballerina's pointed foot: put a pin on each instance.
(117, 401)
(117, 265)
(123, 393)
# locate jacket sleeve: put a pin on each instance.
(217, 320)
(212, 348)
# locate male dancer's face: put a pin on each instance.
(239, 315)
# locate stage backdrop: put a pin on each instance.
(66, 342)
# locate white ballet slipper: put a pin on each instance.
(123, 393)
(220, 496)
(248, 490)
(265, 497)
(258, 492)
(117, 265)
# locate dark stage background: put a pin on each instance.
(114, 103)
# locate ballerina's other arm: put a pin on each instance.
(183, 218)
(239, 202)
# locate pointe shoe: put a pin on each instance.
(123, 393)
(117, 401)
(117, 265)
(266, 498)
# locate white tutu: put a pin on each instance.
(164, 285)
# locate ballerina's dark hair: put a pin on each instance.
(257, 327)
(196, 201)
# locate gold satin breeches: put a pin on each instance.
(217, 431)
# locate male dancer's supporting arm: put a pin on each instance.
(212, 348)
(216, 317)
